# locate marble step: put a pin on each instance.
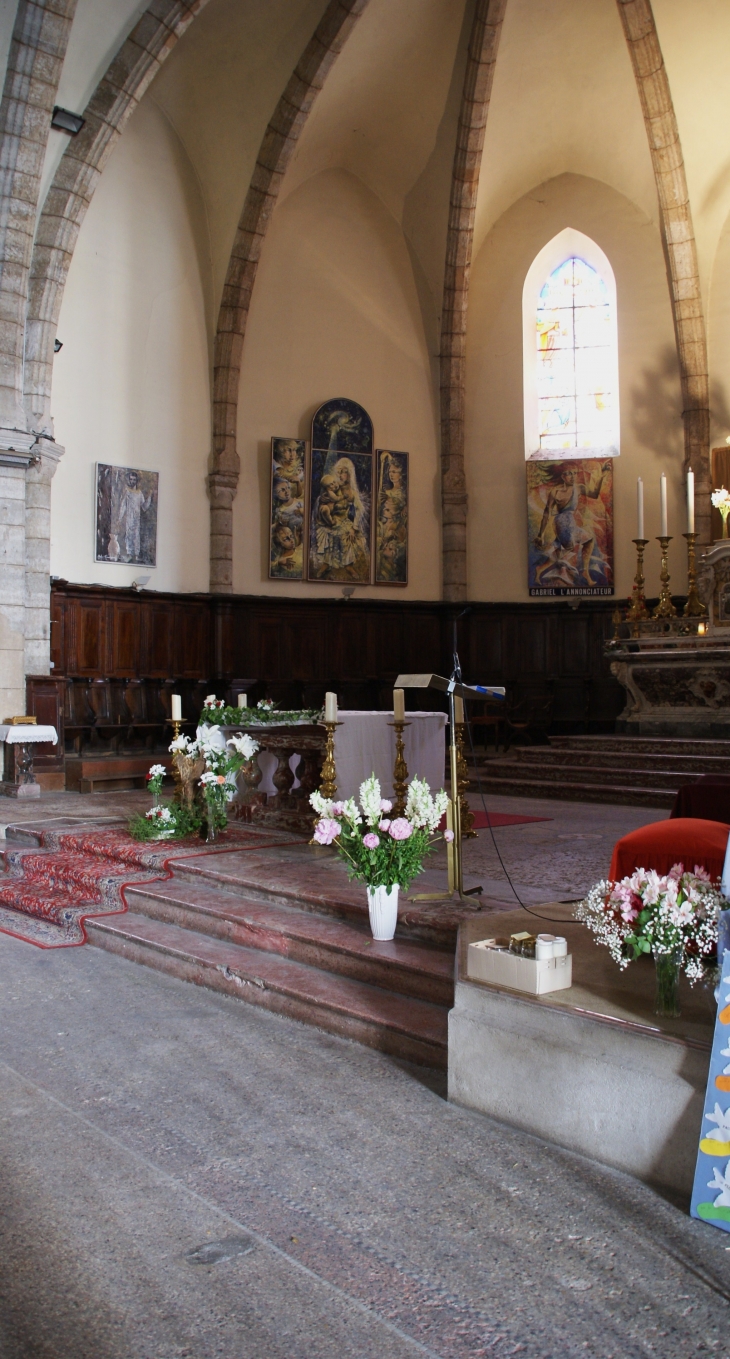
(404, 1026)
(522, 784)
(661, 779)
(655, 745)
(692, 765)
(402, 965)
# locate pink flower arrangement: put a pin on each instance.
(326, 831)
(384, 825)
(400, 829)
(371, 841)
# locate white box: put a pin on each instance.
(486, 963)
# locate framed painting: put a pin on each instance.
(126, 515)
(286, 521)
(341, 426)
(570, 527)
(340, 498)
(391, 518)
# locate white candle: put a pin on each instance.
(690, 501)
(176, 708)
(242, 701)
(330, 707)
(458, 710)
(663, 497)
(639, 508)
(399, 705)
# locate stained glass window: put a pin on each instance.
(576, 360)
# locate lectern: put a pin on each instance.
(470, 693)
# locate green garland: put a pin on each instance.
(258, 717)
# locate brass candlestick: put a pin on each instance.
(400, 771)
(176, 725)
(462, 777)
(665, 607)
(637, 609)
(694, 608)
(328, 786)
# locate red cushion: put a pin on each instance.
(684, 839)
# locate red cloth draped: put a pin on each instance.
(686, 840)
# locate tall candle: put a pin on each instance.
(690, 501)
(242, 701)
(399, 705)
(639, 508)
(330, 707)
(663, 497)
(458, 710)
(176, 708)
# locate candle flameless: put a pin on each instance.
(639, 508)
(690, 501)
(663, 499)
(330, 707)
(399, 705)
(243, 700)
(176, 708)
(458, 710)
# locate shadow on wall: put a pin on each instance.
(656, 407)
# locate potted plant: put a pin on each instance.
(673, 918)
(385, 854)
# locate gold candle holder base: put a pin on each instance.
(665, 607)
(328, 786)
(694, 608)
(400, 771)
(462, 772)
(176, 725)
(637, 609)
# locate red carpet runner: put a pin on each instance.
(47, 891)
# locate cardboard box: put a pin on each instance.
(485, 963)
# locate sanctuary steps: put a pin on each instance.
(630, 770)
(305, 951)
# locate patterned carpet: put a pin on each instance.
(73, 873)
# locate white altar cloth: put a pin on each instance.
(20, 735)
(365, 745)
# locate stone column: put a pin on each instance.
(37, 556)
(222, 491)
(12, 590)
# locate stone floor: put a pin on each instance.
(151, 1127)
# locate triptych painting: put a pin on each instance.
(342, 513)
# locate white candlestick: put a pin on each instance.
(176, 708)
(458, 710)
(663, 497)
(399, 705)
(330, 707)
(639, 508)
(242, 701)
(690, 501)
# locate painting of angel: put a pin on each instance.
(286, 532)
(570, 527)
(391, 518)
(339, 519)
(341, 426)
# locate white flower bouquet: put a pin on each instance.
(675, 915)
(378, 850)
(217, 783)
(721, 501)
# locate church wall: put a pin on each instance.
(131, 385)
(335, 312)
(650, 397)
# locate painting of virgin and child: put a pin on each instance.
(286, 538)
(391, 518)
(339, 528)
(570, 526)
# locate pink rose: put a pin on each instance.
(448, 836)
(370, 840)
(338, 808)
(326, 831)
(384, 825)
(400, 829)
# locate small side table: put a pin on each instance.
(19, 779)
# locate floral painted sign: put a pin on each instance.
(711, 1191)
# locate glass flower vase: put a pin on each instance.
(668, 966)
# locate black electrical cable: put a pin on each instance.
(457, 675)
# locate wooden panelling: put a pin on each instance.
(542, 652)
(44, 700)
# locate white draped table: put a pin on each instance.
(24, 734)
(365, 745)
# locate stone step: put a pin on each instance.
(656, 745)
(402, 965)
(616, 794)
(692, 765)
(662, 780)
(404, 1026)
